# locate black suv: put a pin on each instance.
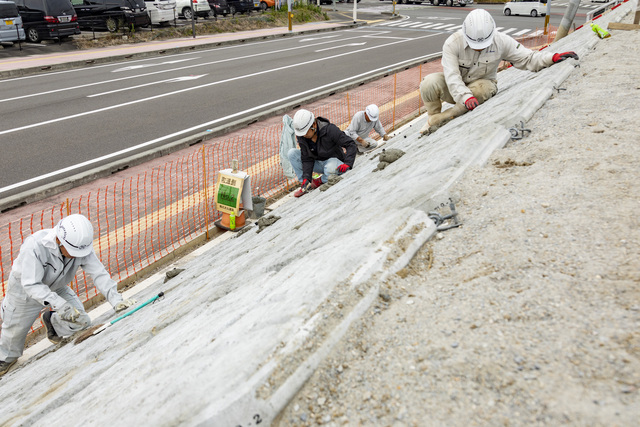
(219, 7)
(47, 19)
(240, 6)
(111, 14)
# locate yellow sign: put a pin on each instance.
(229, 190)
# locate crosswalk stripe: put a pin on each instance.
(519, 33)
(441, 26)
(509, 30)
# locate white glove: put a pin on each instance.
(68, 312)
(124, 304)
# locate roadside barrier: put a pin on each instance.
(140, 219)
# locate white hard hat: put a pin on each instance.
(302, 121)
(372, 111)
(479, 29)
(75, 232)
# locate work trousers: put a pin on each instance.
(19, 314)
(434, 91)
(324, 167)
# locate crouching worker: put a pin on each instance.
(40, 275)
(470, 60)
(324, 149)
(362, 124)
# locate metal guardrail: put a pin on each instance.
(602, 9)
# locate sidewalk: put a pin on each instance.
(16, 67)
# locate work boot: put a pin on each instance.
(5, 366)
(45, 318)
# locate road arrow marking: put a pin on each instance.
(175, 80)
(344, 45)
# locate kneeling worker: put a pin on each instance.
(362, 124)
(324, 149)
(470, 60)
(40, 275)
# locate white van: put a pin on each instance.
(161, 12)
(200, 7)
(525, 7)
(11, 29)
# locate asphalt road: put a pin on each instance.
(58, 124)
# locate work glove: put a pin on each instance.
(124, 304)
(559, 57)
(343, 168)
(471, 103)
(68, 312)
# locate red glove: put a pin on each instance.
(305, 185)
(559, 57)
(343, 168)
(471, 103)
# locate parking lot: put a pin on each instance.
(22, 49)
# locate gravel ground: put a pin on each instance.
(529, 313)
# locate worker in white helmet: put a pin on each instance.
(324, 149)
(362, 124)
(40, 276)
(470, 60)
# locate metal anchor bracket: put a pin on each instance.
(439, 220)
(519, 133)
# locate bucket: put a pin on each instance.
(258, 206)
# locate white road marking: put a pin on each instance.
(177, 69)
(176, 80)
(341, 46)
(60, 119)
(137, 67)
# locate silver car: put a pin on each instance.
(11, 29)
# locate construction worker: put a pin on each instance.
(40, 275)
(324, 149)
(470, 60)
(362, 124)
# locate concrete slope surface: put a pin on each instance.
(245, 325)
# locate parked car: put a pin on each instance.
(219, 7)
(240, 6)
(264, 4)
(111, 14)
(11, 29)
(201, 8)
(461, 3)
(161, 11)
(525, 7)
(47, 19)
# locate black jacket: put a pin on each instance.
(329, 144)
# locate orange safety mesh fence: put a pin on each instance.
(142, 218)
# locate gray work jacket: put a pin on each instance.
(463, 65)
(40, 269)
